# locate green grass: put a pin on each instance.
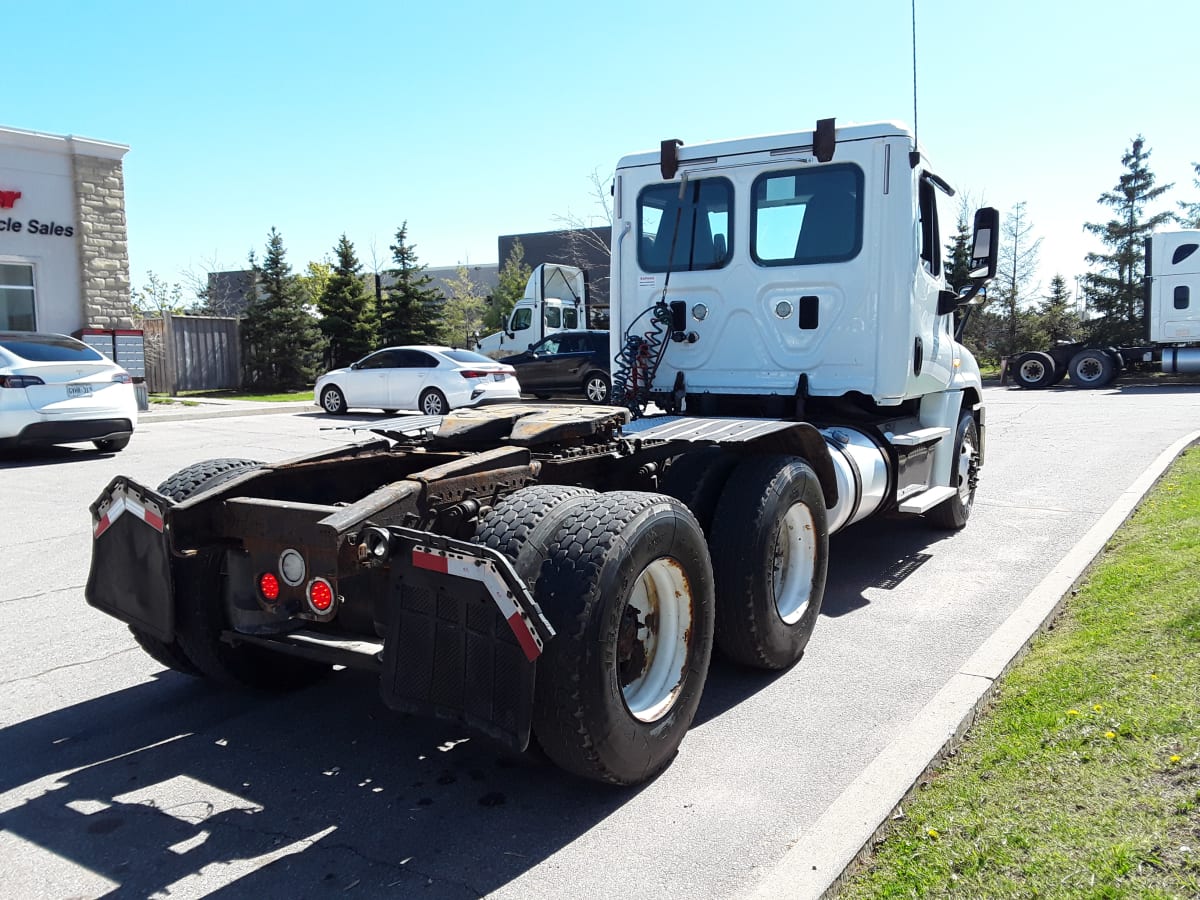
(1083, 779)
(287, 396)
(164, 399)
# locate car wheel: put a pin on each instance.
(333, 401)
(597, 388)
(433, 403)
(111, 445)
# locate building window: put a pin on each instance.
(807, 216)
(16, 297)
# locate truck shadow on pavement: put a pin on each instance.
(171, 785)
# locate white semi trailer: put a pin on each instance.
(1172, 326)
(560, 573)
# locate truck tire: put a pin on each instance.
(333, 401)
(520, 525)
(170, 654)
(597, 388)
(770, 548)
(696, 479)
(954, 513)
(1034, 370)
(627, 584)
(199, 604)
(194, 479)
(1092, 368)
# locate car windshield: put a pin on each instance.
(50, 348)
(467, 356)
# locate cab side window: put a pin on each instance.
(522, 319)
(931, 242)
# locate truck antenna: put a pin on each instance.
(915, 156)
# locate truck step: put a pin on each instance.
(918, 437)
(924, 502)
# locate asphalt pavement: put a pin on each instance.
(122, 777)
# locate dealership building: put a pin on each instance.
(64, 259)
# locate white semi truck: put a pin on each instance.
(1172, 326)
(559, 574)
(555, 300)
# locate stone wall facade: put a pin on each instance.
(103, 245)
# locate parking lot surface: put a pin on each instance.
(122, 776)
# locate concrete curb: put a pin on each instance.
(819, 859)
(222, 412)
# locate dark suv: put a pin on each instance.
(568, 362)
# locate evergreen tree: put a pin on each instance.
(1115, 291)
(1058, 320)
(409, 311)
(280, 340)
(513, 277)
(463, 310)
(347, 310)
(958, 254)
(1189, 216)
(1017, 265)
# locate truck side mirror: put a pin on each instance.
(985, 243)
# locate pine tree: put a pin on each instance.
(347, 310)
(409, 311)
(1189, 216)
(1115, 291)
(1058, 320)
(513, 277)
(958, 254)
(463, 310)
(1017, 265)
(280, 340)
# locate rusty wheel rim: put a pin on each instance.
(653, 638)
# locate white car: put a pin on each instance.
(433, 380)
(57, 390)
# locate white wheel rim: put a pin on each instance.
(1089, 369)
(332, 404)
(433, 405)
(795, 562)
(652, 654)
(1032, 370)
(965, 457)
(596, 390)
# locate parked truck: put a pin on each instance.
(555, 300)
(1172, 326)
(559, 574)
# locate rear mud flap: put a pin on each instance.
(451, 654)
(130, 577)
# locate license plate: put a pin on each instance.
(499, 376)
(79, 390)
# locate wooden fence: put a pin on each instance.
(192, 353)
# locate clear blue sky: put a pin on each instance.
(471, 120)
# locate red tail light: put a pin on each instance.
(122, 378)
(320, 595)
(19, 381)
(473, 373)
(268, 586)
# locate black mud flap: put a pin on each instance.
(451, 654)
(130, 576)
(463, 635)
